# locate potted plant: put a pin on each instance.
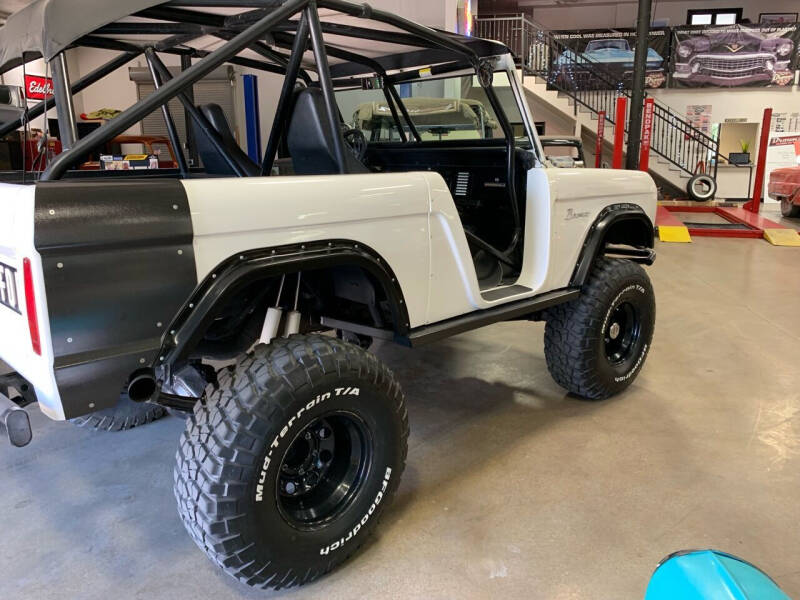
(743, 157)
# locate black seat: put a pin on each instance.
(310, 138)
(213, 161)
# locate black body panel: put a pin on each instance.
(118, 264)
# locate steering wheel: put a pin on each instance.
(357, 143)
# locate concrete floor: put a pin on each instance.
(513, 490)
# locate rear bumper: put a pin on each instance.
(780, 190)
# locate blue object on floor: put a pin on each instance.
(710, 575)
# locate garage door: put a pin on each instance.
(216, 88)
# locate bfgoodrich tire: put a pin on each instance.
(596, 345)
(285, 469)
(127, 414)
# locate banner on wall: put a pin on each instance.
(594, 59)
(37, 87)
(734, 55)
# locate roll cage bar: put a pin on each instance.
(269, 20)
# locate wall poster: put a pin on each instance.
(734, 55)
(596, 59)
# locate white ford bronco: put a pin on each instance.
(246, 293)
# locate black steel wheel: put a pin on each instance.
(285, 469)
(323, 470)
(622, 333)
(596, 345)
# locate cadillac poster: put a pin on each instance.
(734, 55)
(595, 59)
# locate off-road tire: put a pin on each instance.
(231, 457)
(575, 335)
(789, 209)
(127, 414)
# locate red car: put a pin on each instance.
(784, 185)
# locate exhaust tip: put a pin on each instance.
(18, 428)
(142, 387)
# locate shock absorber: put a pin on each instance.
(273, 319)
(293, 317)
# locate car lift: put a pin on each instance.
(742, 222)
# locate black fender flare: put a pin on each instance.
(231, 275)
(594, 243)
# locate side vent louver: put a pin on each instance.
(462, 184)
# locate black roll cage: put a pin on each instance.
(272, 20)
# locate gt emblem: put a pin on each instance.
(734, 47)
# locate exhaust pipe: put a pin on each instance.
(15, 423)
(142, 386)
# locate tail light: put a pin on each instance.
(30, 306)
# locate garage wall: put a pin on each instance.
(116, 90)
(733, 104)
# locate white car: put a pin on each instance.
(138, 281)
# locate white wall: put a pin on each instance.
(748, 103)
(116, 90)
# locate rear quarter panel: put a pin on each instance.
(387, 212)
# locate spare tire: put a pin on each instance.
(127, 414)
(701, 187)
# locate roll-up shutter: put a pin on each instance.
(215, 88)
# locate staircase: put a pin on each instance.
(576, 88)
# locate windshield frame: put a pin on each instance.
(504, 64)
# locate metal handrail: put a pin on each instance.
(674, 139)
